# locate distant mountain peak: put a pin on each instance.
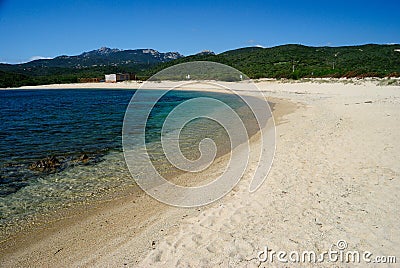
(206, 52)
(106, 56)
(108, 50)
(101, 51)
(167, 56)
(173, 55)
(150, 51)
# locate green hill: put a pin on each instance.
(297, 61)
(287, 61)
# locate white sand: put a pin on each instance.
(335, 176)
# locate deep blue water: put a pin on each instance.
(64, 123)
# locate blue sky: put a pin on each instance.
(49, 28)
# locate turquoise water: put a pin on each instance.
(81, 129)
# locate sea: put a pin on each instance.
(61, 147)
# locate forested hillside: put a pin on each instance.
(297, 61)
(287, 61)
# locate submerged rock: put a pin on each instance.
(84, 158)
(47, 164)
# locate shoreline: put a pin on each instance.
(34, 222)
(37, 228)
(132, 84)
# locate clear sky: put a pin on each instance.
(48, 28)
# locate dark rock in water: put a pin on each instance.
(83, 158)
(47, 164)
(56, 164)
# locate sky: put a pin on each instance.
(33, 29)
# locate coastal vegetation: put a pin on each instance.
(286, 61)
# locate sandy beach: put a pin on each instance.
(335, 177)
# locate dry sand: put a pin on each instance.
(335, 177)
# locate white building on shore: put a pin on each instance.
(113, 78)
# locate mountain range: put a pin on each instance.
(101, 57)
(286, 61)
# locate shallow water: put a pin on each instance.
(69, 123)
